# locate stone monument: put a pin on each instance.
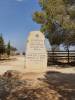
(36, 54)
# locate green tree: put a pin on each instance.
(8, 49)
(69, 37)
(55, 12)
(13, 49)
(2, 46)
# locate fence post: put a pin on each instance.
(53, 55)
(68, 56)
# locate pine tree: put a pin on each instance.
(2, 46)
(8, 49)
(52, 14)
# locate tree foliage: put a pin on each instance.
(2, 45)
(60, 12)
(8, 49)
(5, 48)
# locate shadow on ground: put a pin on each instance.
(61, 64)
(9, 59)
(53, 86)
(64, 84)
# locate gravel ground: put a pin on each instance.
(19, 83)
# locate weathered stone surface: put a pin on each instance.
(36, 55)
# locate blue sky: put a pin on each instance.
(16, 20)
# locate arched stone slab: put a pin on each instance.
(36, 55)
